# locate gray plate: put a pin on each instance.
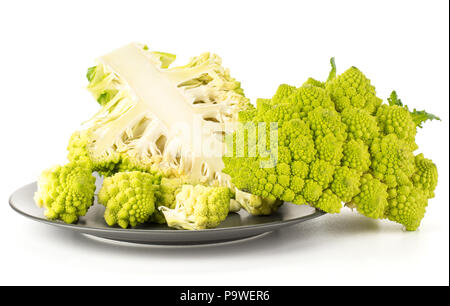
(237, 226)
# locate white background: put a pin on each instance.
(46, 47)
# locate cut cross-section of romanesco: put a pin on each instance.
(198, 207)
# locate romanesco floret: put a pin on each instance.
(315, 83)
(407, 207)
(311, 191)
(353, 89)
(308, 98)
(330, 149)
(324, 121)
(425, 176)
(283, 92)
(322, 172)
(397, 120)
(198, 207)
(356, 155)
(346, 183)
(129, 197)
(66, 192)
(392, 160)
(328, 202)
(372, 201)
(360, 124)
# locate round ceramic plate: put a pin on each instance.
(237, 225)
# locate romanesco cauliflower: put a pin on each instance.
(66, 192)
(335, 142)
(324, 144)
(129, 197)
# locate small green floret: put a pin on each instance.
(372, 200)
(129, 198)
(66, 192)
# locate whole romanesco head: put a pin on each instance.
(66, 192)
(333, 142)
(198, 207)
(129, 197)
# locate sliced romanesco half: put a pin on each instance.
(155, 115)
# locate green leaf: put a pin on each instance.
(421, 116)
(106, 96)
(91, 73)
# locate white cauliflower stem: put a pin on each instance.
(174, 118)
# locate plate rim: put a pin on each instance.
(317, 213)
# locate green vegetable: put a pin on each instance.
(336, 143)
(129, 197)
(198, 207)
(66, 192)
